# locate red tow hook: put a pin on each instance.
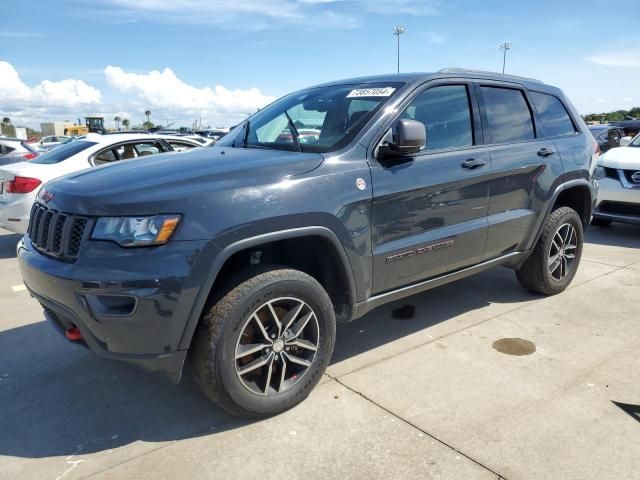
(73, 334)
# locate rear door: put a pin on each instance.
(429, 209)
(558, 126)
(524, 165)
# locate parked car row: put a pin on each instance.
(20, 182)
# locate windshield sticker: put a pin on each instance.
(371, 92)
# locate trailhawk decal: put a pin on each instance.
(371, 92)
(419, 251)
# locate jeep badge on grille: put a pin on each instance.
(45, 196)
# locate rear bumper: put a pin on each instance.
(14, 215)
(125, 302)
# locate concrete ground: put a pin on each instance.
(419, 394)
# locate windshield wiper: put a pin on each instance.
(294, 132)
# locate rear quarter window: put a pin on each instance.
(555, 120)
(508, 114)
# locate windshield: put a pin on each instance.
(635, 142)
(319, 120)
(63, 152)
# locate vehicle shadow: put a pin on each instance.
(57, 399)
(616, 235)
(60, 399)
(8, 244)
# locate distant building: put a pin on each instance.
(54, 128)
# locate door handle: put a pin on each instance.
(473, 163)
(545, 152)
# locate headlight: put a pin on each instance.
(136, 231)
(599, 173)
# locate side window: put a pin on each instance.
(508, 115)
(125, 152)
(446, 115)
(105, 157)
(555, 120)
(179, 146)
(147, 148)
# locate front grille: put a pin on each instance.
(628, 174)
(57, 234)
(620, 208)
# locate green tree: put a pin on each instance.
(125, 124)
(117, 119)
(148, 114)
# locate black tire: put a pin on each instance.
(600, 222)
(213, 352)
(535, 274)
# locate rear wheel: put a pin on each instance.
(555, 258)
(265, 344)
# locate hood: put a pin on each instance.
(624, 158)
(133, 186)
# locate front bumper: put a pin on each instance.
(128, 304)
(617, 202)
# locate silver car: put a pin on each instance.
(618, 175)
(13, 150)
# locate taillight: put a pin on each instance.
(30, 156)
(22, 185)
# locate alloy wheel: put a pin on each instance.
(562, 253)
(276, 346)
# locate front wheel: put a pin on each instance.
(555, 258)
(265, 344)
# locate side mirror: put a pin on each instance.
(624, 141)
(408, 136)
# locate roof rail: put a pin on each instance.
(487, 72)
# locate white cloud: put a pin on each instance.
(616, 59)
(404, 7)
(617, 53)
(258, 14)
(239, 15)
(65, 94)
(165, 90)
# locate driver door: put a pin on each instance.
(429, 213)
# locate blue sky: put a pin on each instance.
(221, 59)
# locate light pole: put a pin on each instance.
(504, 47)
(397, 31)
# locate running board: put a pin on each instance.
(365, 307)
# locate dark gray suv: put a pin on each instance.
(327, 203)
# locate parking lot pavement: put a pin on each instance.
(416, 390)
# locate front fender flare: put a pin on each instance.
(214, 258)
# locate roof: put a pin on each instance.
(118, 137)
(417, 78)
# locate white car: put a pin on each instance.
(20, 182)
(182, 143)
(618, 175)
(47, 143)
